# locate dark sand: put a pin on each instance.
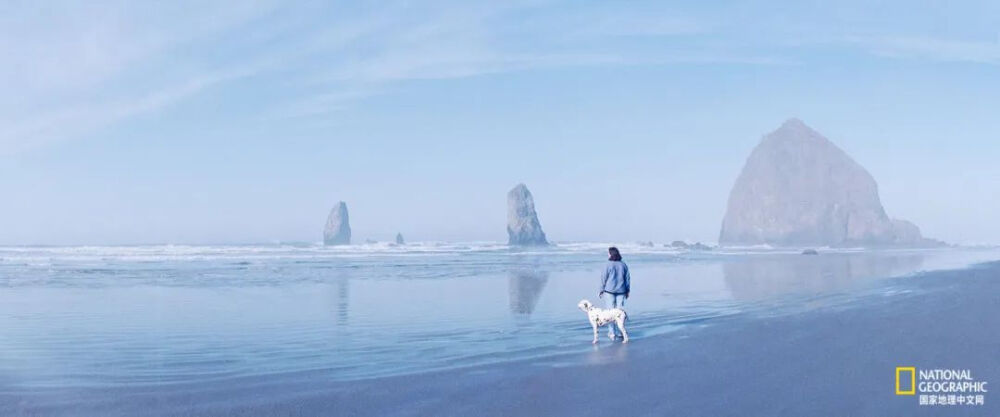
(830, 361)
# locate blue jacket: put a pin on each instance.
(616, 278)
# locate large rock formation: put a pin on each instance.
(523, 228)
(799, 189)
(399, 239)
(338, 226)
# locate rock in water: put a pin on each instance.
(399, 239)
(799, 189)
(908, 234)
(699, 246)
(523, 228)
(338, 226)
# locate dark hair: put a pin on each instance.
(615, 255)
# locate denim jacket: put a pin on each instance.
(616, 278)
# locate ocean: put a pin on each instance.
(152, 316)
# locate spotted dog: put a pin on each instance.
(601, 316)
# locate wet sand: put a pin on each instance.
(831, 361)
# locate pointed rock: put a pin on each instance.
(399, 239)
(523, 228)
(338, 226)
(799, 189)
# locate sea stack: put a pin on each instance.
(399, 239)
(799, 189)
(338, 226)
(523, 228)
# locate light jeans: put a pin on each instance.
(614, 301)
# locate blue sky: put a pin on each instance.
(204, 122)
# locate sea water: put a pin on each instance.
(80, 317)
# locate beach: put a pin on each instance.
(838, 361)
(828, 347)
(401, 208)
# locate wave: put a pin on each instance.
(41, 255)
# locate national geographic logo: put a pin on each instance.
(941, 386)
(907, 374)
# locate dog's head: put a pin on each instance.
(584, 305)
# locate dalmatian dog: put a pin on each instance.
(605, 316)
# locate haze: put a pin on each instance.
(205, 122)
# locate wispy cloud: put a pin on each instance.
(467, 40)
(67, 122)
(931, 48)
(84, 68)
(71, 69)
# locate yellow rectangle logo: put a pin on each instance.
(913, 380)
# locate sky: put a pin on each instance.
(192, 122)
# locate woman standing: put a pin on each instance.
(615, 282)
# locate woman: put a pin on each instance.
(615, 282)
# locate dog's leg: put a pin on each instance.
(621, 326)
(594, 325)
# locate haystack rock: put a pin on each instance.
(799, 189)
(523, 228)
(338, 226)
(399, 239)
